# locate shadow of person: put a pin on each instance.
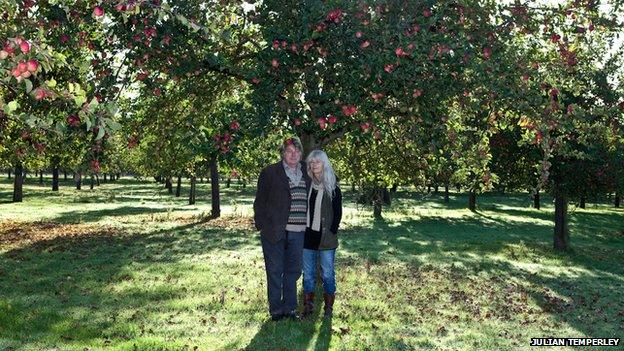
(289, 334)
(324, 335)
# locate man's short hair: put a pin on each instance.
(291, 141)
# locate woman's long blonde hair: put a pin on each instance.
(329, 177)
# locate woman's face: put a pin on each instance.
(316, 166)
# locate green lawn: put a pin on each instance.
(128, 267)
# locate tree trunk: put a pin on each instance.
(428, 189)
(64, 174)
(309, 143)
(55, 176)
(192, 191)
(446, 194)
(92, 182)
(97, 179)
(394, 188)
(78, 179)
(178, 187)
(201, 179)
(582, 202)
(458, 188)
(618, 200)
(353, 187)
(536, 200)
(41, 177)
(214, 185)
(472, 201)
(104, 175)
(168, 185)
(562, 235)
(9, 173)
(436, 189)
(244, 183)
(18, 183)
(228, 182)
(377, 202)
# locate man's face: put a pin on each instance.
(292, 156)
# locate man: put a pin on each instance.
(280, 215)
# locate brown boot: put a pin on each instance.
(329, 304)
(308, 304)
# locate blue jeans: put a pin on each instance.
(327, 270)
(283, 268)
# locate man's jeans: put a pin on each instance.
(327, 270)
(283, 268)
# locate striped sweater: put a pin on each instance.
(297, 217)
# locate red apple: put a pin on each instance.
(3, 54)
(322, 123)
(427, 13)
(98, 11)
(26, 74)
(16, 72)
(22, 66)
(365, 44)
(40, 94)
(275, 63)
(417, 93)
(73, 121)
(487, 52)
(349, 110)
(24, 46)
(255, 80)
(297, 122)
(234, 125)
(332, 119)
(32, 66)
(334, 16)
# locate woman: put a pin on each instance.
(320, 241)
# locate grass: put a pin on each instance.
(128, 267)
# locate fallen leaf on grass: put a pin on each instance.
(44, 235)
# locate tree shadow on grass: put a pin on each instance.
(82, 289)
(485, 242)
(279, 335)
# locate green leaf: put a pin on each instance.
(86, 119)
(112, 108)
(11, 107)
(80, 100)
(29, 85)
(101, 132)
(113, 125)
(60, 127)
(182, 20)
